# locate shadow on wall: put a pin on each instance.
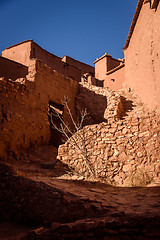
(127, 106)
(11, 69)
(94, 103)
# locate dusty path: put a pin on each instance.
(54, 194)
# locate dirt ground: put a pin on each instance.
(38, 192)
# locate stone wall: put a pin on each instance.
(122, 152)
(101, 104)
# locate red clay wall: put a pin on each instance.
(24, 107)
(85, 68)
(115, 78)
(20, 52)
(23, 120)
(142, 57)
(100, 69)
(11, 69)
(53, 86)
(112, 63)
(55, 63)
(27, 50)
(104, 64)
(47, 58)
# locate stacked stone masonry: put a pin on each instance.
(123, 150)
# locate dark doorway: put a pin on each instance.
(55, 116)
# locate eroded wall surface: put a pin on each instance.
(142, 57)
(24, 107)
(11, 69)
(24, 122)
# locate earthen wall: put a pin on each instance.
(123, 150)
(24, 107)
(142, 57)
(27, 50)
(47, 58)
(11, 69)
(112, 63)
(115, 78)
(105, 64)
(101, 69)
(85, 68)
(19, 53)
(24, 122)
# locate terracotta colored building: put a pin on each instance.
(140, 70)
(110, 71)
(25, 51)
(34, 82)
(142, 53)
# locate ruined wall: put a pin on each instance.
(24, 107)
(11, 69)
(101, 104)
(142, 57)
(20, 52)
(123, 152)
(23, 120)
(115, 78)
(53, 86)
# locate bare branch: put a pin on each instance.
(76, 138)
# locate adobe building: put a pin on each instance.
(142, 53)
(140, 71)
(33, 82)
(25, 51)
(110, 71)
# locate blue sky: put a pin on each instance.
(83, 29)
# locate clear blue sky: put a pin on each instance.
(83, 29)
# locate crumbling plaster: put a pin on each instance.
(24, 107)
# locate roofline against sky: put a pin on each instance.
(133, 24)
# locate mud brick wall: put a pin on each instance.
(123, 152)
(53, 86)
(23, 121)
(11, 69)
(24, 107)
(142, 57)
